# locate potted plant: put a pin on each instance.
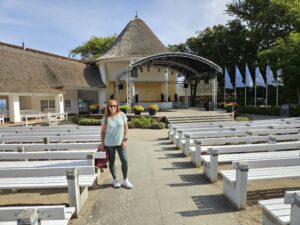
(124, 108)
(152, 109)
(137, 109)
(94, 108)
(231, 106)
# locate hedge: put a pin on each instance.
(274, 111)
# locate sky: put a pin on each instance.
(57, 26)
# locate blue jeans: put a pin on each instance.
(123, 157)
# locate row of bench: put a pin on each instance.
(38, 164)
(272, 157)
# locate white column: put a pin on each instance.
(59, 104)
(117, 91)
(166, 87)
(14, 108)
(102, 97)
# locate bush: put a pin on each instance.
(294, 111)
(145, 123)
(273, 111)
(126, 107)
(88, 121)
(242, 118)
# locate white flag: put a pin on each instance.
(259, 80)
(279, 79)
(248, 78)
(238, 78)
(269, 76)
(228, 84)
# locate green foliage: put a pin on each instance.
(93, 48)
(294, 111)
(242, 118)
(274, 111)
(145, 123)
(126, 107)
(138, 108)
(285, 54)
(88, 121)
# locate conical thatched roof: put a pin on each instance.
(136, 40)
(32, 71)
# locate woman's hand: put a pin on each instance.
(102, 148)
(124, 145)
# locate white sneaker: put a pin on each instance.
(116, 183)
(126, 183)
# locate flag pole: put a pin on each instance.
(255, 95)
(277, 94)
(266, 95)
(245, 95)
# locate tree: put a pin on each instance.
(266, 20)
(93, 48)
(285, 54)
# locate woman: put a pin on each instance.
(113, 138)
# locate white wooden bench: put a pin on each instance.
(52, 155)
(40, 128)
(71, 174)
(202, 145)
(235, 181)
(51, 146)
(232, 153)
(173, 128)
(47, 215)
(48, 129)
(189, 138)
(179, 137)
(52, 133)
(282, 211)
(50, 139)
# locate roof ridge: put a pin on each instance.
(41, 52)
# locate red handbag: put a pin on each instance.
(102, 163)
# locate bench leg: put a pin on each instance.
(76, 199)
(178, 140)
(210, 169)
(295, 210)
(28, 217)
(236, 192)
(186, 149)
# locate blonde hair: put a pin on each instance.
(107, 112)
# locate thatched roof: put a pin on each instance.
(136, 40)
(32, 71)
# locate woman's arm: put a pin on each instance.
(124, 143)
(103, 137)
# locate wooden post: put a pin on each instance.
(295, 209)
(28, 217)
(187, 144)
(198, 153)
(178, 142)
(211, 169)
(73, 190)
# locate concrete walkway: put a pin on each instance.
(167, 189)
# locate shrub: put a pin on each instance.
(145, 123)
(294, 111)
(274, 111)
(230, 104)
(94, 107)
(242, 118)
(88, 121)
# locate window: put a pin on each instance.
(44, 105)
(52, 104)
(3, 105)
(47, 104)
(67, 104)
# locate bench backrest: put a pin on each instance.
(265, 163)
(53, 155)
(40, 139)
(51, 133)
(244, 133)
(56, 212)
(254, 147)
(29, 147)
